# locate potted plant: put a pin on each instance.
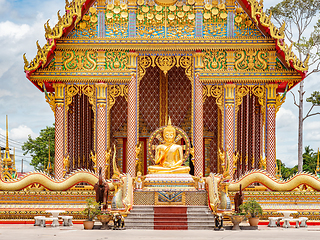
(236, 219)
(90, 212)
(105, 218)
(253, 208)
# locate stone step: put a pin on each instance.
(170, 227)
(200, 228)
(201, 224)
(133, 220)
(200, 217)
(139, 223)
(140, 227)
(170, 223)
(142, 208)
(170, 215)
(170, 218)
(141, 215)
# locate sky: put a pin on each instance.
(21, 25)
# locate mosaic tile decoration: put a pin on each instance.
(101, 139)
(198, 128)
(58, 160)
(210, 121)
(179, 95)
(271, 140)
(132, 126)
(195, 198)
(249, 138)
(118, 118)
(80, 133)
(149, 98)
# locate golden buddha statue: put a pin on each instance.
(168, 156)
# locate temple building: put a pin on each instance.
(7, 160)
(113, 72)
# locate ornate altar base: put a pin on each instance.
(169, 182)
(169, 189)
(197, 198)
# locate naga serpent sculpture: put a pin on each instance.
(89, 177)
(50, 183)
(274, 184)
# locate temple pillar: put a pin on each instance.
(101, 128)
(198, 7)
(59, 130)
(198, 117)
(132, 124)
(229, 124)
(271, 128)
(230, 6)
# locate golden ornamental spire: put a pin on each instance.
(318, 167)
(7, 134)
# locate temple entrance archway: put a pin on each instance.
(160, 96)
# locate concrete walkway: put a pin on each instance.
(29, 232)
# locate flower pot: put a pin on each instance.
(236, 220)
(254, 221)
(104, 219)
(88, 224)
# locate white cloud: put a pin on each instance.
(19, 133)
(311, 126)
(313, 136)
(13, 31)
(286, 119)
(22, 132)
(4, 93)
(4, 6)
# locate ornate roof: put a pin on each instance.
(76, 9)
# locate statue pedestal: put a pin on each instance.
(169, 182)
(169, 189)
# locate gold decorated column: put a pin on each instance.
(59, 114)
(229, 123)
(132, 124)
(101, 128)
(271, 128)
(198, 116)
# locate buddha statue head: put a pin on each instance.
(169, 133)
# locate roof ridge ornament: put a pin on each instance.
(259, 16)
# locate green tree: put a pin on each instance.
(309, 160)
(285, 171)
(299, 16)
(309, 164)
(39, 148)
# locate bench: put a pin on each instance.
(303, 221)
(37, 220)
(67, 220)
(297, 220)
(286, 222)
(55, 222)
(274, 221)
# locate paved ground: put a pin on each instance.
(29, 232)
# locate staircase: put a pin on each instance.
(170, 218)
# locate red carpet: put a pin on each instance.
(170, 218)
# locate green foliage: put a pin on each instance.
(251, 207)
(285, 171)
(314, 98)
(92, 209)
(39, 148)
(309, 160)
(309, 164)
